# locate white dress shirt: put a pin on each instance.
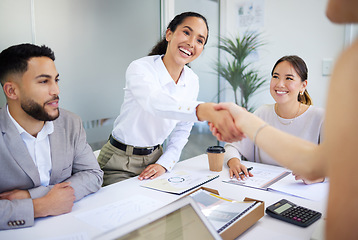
(39, 148)
(155, 108)
(308, 126)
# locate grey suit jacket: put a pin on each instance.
(72, 161)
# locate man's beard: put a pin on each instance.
(37, 111)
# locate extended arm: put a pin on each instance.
(292, 152)
(144, 84)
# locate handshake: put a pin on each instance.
(227, 121)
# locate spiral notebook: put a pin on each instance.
(179, 182)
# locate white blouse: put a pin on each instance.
(155, 108)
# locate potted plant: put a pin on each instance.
(237, 71)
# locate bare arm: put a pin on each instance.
(297, 154)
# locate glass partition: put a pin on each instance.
(94, 41)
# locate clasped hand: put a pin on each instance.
(225, 126)
(58, 200)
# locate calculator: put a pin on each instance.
(291, 213)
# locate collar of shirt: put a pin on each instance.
(46, 130)
(166, 78)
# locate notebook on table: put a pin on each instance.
(264, 176)
(181, 219)
(180, 181)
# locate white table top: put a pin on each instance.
(265, 228)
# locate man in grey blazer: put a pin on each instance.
(46, 163)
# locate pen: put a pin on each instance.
(248, 169)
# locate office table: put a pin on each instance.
(266, 228)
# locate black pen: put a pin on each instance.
(248, 169)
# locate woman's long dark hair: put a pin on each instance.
(301, 68)
(161, 47)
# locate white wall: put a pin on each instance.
(291, 27)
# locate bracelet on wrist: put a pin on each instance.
(257, 132)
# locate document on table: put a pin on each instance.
(279, 179)
(221, 212)
(264, 176)
(179, 182)
(118, 213)
(288, 185)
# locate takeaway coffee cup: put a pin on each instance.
(216, 158)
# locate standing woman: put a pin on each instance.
(160, 103)
(292, 113)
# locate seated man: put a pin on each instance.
(46, 163)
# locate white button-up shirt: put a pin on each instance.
(155, 108)
(39, 148)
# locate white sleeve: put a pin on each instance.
(175, 144)
(231, 151)
(143, 83)
(244, 148)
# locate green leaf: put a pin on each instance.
(237, 70)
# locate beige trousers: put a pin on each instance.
(119, 165)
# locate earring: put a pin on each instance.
(301, 93)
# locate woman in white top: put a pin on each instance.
(160, 102)
(292, 113)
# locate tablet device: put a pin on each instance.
(181, 219)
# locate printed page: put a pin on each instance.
(221, 212)
(179, 182)
(288, 185)
(116, 214)
(264, 176)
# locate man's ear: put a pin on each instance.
(10, 90)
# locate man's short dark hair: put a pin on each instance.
(14, 59)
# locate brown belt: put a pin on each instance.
(136, 151)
